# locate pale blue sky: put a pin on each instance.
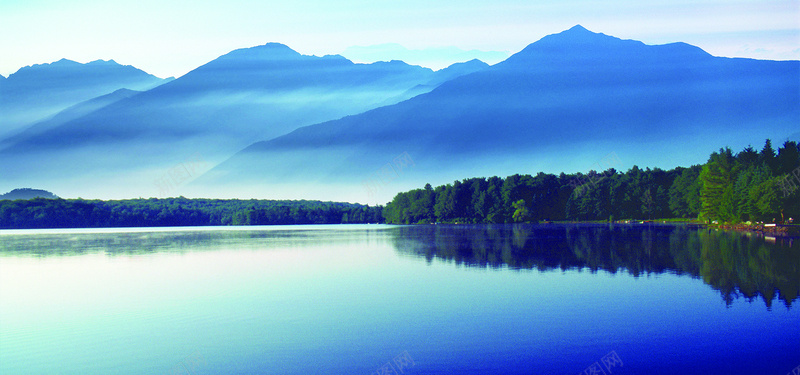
(169, 38)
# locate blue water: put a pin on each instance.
(420, 300)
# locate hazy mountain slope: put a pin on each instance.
(564, 103)
(37, 92)
(444, 75)
(258, 92)
(213, 111)
(457, 70)
(71, 113)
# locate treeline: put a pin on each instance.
(78, 213)
(748, 186)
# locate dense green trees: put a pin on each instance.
(481, 200)
(684, 194)
(61, 213)
(716, 189)
(748, 186)
(751, 186)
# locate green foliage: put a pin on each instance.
(767, 156)
(764, 200)
(788, 157)
(61, 213)
(727, 188)
(684, 193)
(715, 178)
(520, 211)
(647, 204)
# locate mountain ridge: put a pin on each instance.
(216, 109)
(36, 92)
(547, 107)
(322, 127)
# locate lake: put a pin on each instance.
(379, 299)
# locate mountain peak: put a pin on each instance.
(473, 64)
(67, 66)
(100, 62)
(334, 57)
(276, 51)
(578, 29)
(578, 44)
(276, 46)
(391, 63)
(269, 51)
(578, 35)
(62, 61)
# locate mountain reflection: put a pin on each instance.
(736, 264)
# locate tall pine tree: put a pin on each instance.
(715, 179)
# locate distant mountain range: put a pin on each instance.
(430, 57)
(572, 101)
(214, 111)
(277, 124)
(37, 92)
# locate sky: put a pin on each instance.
(170, 38)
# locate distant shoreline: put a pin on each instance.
(766, 230)
(42, 213)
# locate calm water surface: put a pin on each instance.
(509, 299)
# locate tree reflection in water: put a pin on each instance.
(739, 265)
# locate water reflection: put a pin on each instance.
(736, 264)
(152, 240)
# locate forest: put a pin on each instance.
(79, 213)
(750, 185)
(729, 188)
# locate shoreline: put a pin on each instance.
(769, 230)
(773, 230)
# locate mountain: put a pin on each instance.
(213, 111)
(71, 113)
(457, 70)
(447, 74)
(27, 193)
(430, 57)
(36, 92)
(572, 101)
